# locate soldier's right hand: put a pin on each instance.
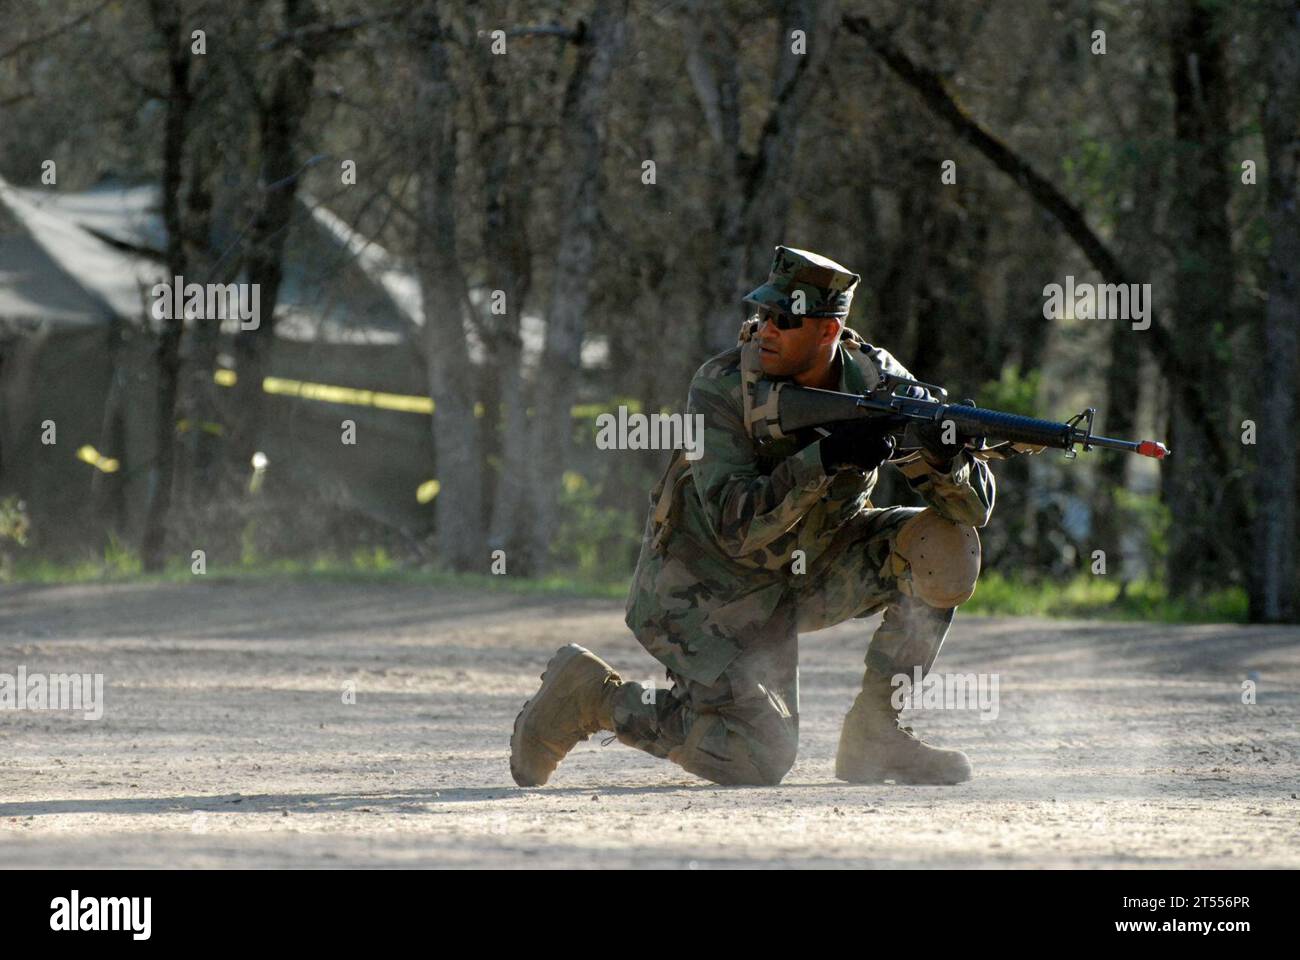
(864, 444)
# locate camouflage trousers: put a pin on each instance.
(744, 727)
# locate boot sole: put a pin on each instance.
(902, 778)
(554, 667)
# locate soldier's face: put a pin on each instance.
(788, 353)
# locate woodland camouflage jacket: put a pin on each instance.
(739, 514)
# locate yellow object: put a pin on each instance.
(402, 402)
(427, 491)
(206, 426)
(97, 460)
(332, 394)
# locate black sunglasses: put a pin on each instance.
(779, 318)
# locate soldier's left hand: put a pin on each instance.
(931, 436)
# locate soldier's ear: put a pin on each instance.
(830, 331)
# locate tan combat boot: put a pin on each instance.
(575, 701)
(874, 747)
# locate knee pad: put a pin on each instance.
(935, 560)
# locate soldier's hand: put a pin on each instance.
(931, 436)
(864, 444)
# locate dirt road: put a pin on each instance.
(226, 741)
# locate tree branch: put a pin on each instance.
(930, 86)
(53, 31)
(547, 30)
(319, 35)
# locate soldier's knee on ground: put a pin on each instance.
(735, 752)
(738, 760)
(935, 560)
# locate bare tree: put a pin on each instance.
(280, 116)
(507, 149)
(507, 250)
(167, 22)
(50, 33)
(1273, 587)
(752, 193)
(1124, 366)
(583, 122)
(1184, 373)
(456, 440)
(1203, 282)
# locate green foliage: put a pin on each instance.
(248, 552)
(14, 521)
(1013, 391)
(1085, 596)
(120, 560)
(373, 559)
(1093, 172)
(118, 563)
(362, 566)
(1146, 513)
(593, 539)
(1102, 598)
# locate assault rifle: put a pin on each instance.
(917, 403)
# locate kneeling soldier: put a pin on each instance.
(761, 539)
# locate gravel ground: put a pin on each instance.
(226, 741)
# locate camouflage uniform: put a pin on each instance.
(717, 600)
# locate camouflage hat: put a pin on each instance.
(826, 285)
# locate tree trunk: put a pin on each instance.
(1202, 295)
(506, 250)
(583, 123)
(108, 490)
(458, 507)
(1124, 365)
(280, 121)
(1186, 388)
(166, 18)
(1273, 586)
(199, 395)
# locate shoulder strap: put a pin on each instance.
(762, 420)
(759, 396)
(751, 369)
(861, 353)
(664, 497)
